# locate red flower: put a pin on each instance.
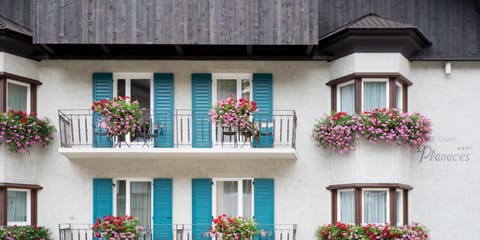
(24, 120)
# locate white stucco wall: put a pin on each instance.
(293, 179)
(369, 62)
(18, 65)
(444, 194)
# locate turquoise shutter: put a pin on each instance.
(263, 95)
(264, 204)
(201, 207)
(102, 89)
(102, 197)
(162, 208)
(201, 104)
(163, 108)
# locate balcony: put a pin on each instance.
(180, 232)
(177, 135)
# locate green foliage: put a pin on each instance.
(24, 233)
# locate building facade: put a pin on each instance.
(299, 60)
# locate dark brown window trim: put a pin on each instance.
(357, 77)
(402, 79)
(392, 191)
(3, 89)
(405, 207)
(4, 200)
(370, 185)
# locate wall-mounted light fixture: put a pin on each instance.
(448, 68)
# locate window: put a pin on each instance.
(18, 212)
(233, 197)
(231, 84)
(399, 206)
(370, 203)
(398, 95)
(375, 94)
(18, 96)
(137, 86)
(347, 97)
(134, 198)
(18, 93)
(361, 92)
(20, 206)
(375, 206)
(346, 203)
(224, 86)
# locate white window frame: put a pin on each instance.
(387, 204)
(231, 76)
(23, 85)
(399, 208)
(339, 95)
(339, 205)
(387, 95)
(239, 197)
(400, 103)
(128, 77)
(29, 204)
(127, 195)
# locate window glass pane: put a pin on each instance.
(121, 194)
(247, 199)
(375, 206)
(246, 89)
(121, 87)
(140, 91)
(398, 97)
(347, 98)
(140, 202)
(225, 88)
(375, 95)
(227, 198)
(17, 97)
(347, 206)
(17, 206)
(399, 206)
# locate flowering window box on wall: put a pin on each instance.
(20, 132)
(368, 142)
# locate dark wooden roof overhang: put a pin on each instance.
(16, 39)
(178, 51)
(372, 33)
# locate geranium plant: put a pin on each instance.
(24, 232)
(120, 116)
(234, 115)
(21, 131)
(341, 231)
(339, 131)
(236, 228)
(116, 228)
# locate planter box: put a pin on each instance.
(372, 163)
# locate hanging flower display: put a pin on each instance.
(234, 115)
(120, 116)
(20, 131)
(339, 131)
